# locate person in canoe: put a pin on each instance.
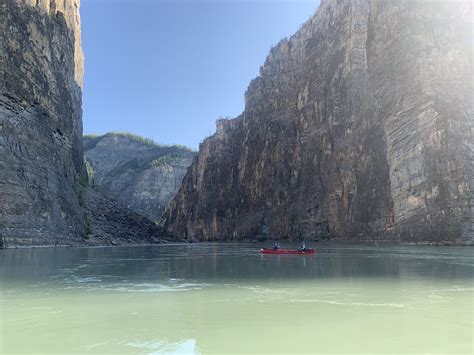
(276, 246)
(303, 246)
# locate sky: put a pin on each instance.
(167, 69)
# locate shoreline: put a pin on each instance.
(249, 241)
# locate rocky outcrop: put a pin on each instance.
(360, 127)
(109, 223)
(136, 172)
(44, 194)
(41, 155)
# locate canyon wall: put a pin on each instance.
(359, 127)
(40, 121)
(136, 172)
(45, 198)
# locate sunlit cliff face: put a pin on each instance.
(70, 10)
(360, 125)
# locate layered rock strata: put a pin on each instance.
(136, 172)
(45, 199)
(359, 127)
(40, 122)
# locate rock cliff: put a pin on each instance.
(44, 197)
(136, 172)
(359, 127)
(40, 121)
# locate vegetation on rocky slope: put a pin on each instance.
(137, 172)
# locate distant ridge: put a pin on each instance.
(139, 173)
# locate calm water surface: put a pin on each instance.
(227, 298)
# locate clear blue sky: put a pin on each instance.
(167, 69)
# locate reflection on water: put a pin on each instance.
(228, 298)
(185, 346)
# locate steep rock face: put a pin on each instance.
(360, 126)
(136, 172)
(421, 73)
(40, 121)
(44, 194)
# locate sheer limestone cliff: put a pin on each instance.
(40, 121)
(44, 198)
(359, 127)
(136, 172)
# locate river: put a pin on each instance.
(228, 298)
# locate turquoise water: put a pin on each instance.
(227, 298)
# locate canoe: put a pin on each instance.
(286, 251)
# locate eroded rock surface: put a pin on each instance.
(44, 197)
(136, 172)
(359, 127)
(40, 122)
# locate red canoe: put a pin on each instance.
(286, 251)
